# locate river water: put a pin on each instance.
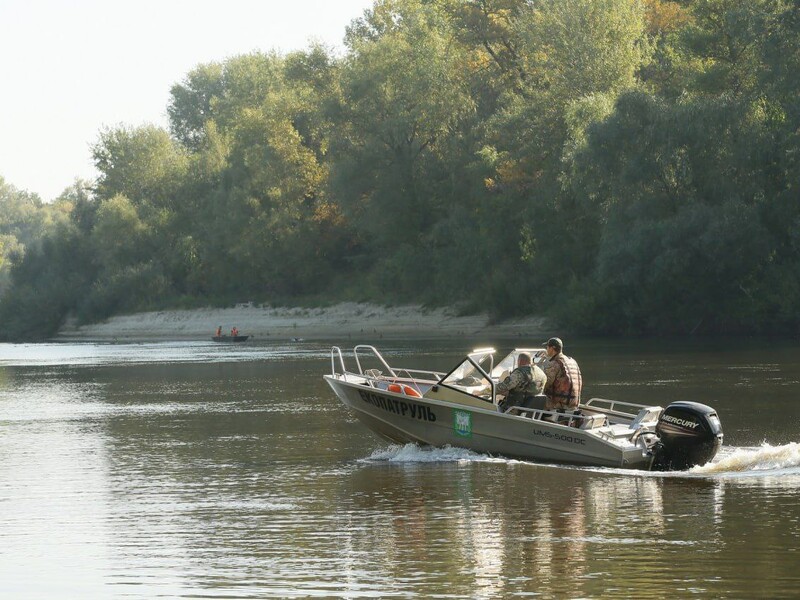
(200, 470)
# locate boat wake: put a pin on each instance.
(411, 453)
(764, 460)
(759, 460)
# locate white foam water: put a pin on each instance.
(758, 460)
(411, 453)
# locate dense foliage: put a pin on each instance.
(626, 166)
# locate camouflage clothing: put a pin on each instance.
(521, 383)
(564, 382)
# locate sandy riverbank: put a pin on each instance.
(339, 322)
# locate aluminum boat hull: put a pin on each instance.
(405, 419)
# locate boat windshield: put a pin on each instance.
(468, 377)
(509, 363)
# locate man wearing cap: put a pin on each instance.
(564, 381)
(524, 382)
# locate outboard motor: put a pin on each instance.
(689, 434)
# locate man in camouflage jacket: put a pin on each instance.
(564, 381)
(525, 381)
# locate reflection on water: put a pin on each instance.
(560, 531)
(95, 354)
(192, 470)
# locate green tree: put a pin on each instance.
(578, 56)
(192, 102)
(144, 164)
(405, 98)
(257, 171)
(24, 221)
(117, 232)
(728, 35)
(46, 283)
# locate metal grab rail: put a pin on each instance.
(413, 376)
(538, 413)
(436, 376)
(336, 350)
(612, 406)
(377, 354)
(416, 374)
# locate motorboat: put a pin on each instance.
(460, 408)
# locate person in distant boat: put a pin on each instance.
(564, 381)
(524, 382)
(234, 332)
(219, 330)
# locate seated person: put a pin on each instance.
(522, 384)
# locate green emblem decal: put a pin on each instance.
(462, 423)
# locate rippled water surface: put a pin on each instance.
(202, 470)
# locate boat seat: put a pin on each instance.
(592, 421)
(374, 374)
(531, 402)
(649, 413)
(536, 402)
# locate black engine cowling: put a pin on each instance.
(689, 434)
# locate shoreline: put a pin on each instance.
(346, 320)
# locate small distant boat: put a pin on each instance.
(298, 339)
(230, 338)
